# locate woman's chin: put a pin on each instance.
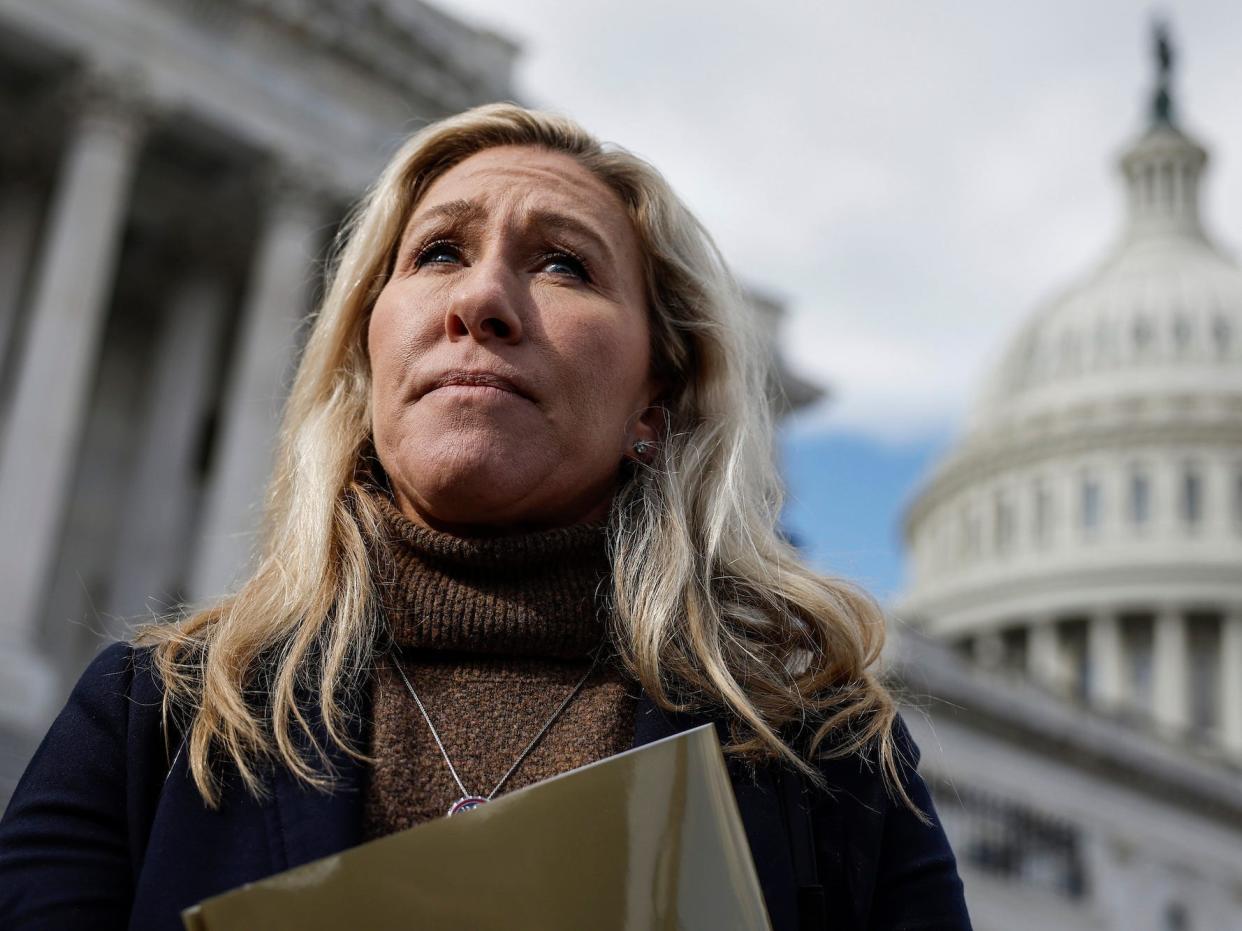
(485, 504)
(451, 484)
(487, 498)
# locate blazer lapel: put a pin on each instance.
(308, 823)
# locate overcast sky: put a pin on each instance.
(910, 177)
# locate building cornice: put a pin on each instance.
(409, 45)
(1064, 589)
(982, 458)
(1179, 775)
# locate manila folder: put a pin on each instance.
(650, 838)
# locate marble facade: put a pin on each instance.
(177, 172)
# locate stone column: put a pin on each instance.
(988, 649)
(1218, 478)
(20, 211)
(154, 542)
(68, 301)
(1170, 670)
(277, 301)
(1105, 658)
(24, 171)
(1043, 654)
(1231, 679)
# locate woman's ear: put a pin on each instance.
(646, 432)
(651, 423)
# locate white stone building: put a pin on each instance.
(178, 169)
(1081, 548)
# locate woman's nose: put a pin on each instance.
(483, 305)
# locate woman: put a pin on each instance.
(523, 517)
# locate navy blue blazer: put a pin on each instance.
(101, 833)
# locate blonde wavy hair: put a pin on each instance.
(710, 607)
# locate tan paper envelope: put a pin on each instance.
(650, 838)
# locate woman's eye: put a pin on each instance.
(437, 253)
(562, 263)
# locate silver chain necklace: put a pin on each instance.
(467, 800)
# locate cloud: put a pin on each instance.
(913, 178)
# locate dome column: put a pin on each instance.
(1104, 653)
(1171, 660)
(988, 649)
(1043, 654)
(1231, 679)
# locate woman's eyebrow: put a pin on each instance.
(459, 212)
(551, 221)
(467, 213)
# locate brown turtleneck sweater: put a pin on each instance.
(493, 634)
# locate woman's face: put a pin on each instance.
(510, 348)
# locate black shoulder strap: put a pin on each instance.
(812, 912)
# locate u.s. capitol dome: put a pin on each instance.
(1086, 530)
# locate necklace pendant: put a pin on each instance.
(465, 803)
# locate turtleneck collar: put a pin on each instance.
(530, 594)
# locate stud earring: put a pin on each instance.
(642, 447)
